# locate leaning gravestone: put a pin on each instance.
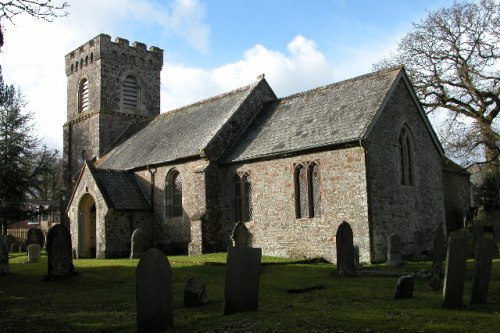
(404, 287)
(453, 288)
(438, 256)
(482, 271)
(393, 251)
(4, 255)
(60, 258)
(138, 244)
(154, 292)
(35, 236)
(241, 235)
(195, 293)
(241, 289)
(345, 250)
(33, 252)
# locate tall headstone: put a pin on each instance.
(154, 292)
(60, 256)
(241, 289)
(195, 293)
(482, 271)
(393, 251)
(35, 236)
(345, 250)
(138, 243)
(418, 244)
(4, 255)
(438, 256)
(33, 252)
(453, 288)
(241, 236)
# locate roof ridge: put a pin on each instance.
(339, 83)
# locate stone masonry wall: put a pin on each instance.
(274, 226)
(396, 208)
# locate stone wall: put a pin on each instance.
(275, 227)
(396, 208)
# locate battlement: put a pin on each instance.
(119, 51)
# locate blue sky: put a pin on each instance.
(209, 46)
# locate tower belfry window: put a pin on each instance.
(83, 95)
(130, 93)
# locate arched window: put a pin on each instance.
(91, 57)
(307, 190)
(173, 189)
(72, 68)
(130, 93)
(243, 209)
(406, 156)
(83, 95)
(86, 60)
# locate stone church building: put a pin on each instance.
(291, 169)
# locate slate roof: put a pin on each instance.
(333, 114)
(120, 189)
(174, 135)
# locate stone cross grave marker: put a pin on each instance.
(393, 251)
(138, 243)
(241, 235)
(154, 292)
(4, 255)
(482, 270)
(453, 288)
(35, 236)
(59, 253)
(33, 252)
(195, 293)
(345, 250)
(438, 256)
(241, 289)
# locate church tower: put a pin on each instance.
(110, 86)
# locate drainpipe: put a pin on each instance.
(152, 172)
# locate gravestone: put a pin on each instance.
(393, 251)
(195, 293)
(466, 235)
(453, 288)
(404, 287)
(241, 236)
(241, 289)
(496, 233)
(10, 240)
(418, 244)
(35, 236)
(14, 248)
(33, 252)
(482, 271)
(438, 256)
(138, 244)
(154, 292)
(60, 257)
(4, 255)
(345, 250)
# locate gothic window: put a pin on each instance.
(406, 156)
(307, 190)
(243, 210)
(86, 60)
(173, 189)
(83, 95)
(91, 57)
(130, 93)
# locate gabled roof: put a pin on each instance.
(331, 115)
(178, 134)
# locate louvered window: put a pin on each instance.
(84, 95)
(130, 93)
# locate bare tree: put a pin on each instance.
(452, 59)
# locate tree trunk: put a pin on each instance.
(4, 227)
(491, 150)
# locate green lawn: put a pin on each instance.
(101, 298)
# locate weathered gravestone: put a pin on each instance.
(393, 251)
(418, 244)
(154, 292)
(14, 248)
(345, 250)
(453, 288)
(10, 240)
(60, 257)
(35, 236)
(33, 252)
(404, 287)
(241, 236)
(482, 271)
(4, 255)
(438, 256)
(138, 243)
(496, 233)
(195, 293)
(241, 289)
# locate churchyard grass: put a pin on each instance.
(101, 298)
